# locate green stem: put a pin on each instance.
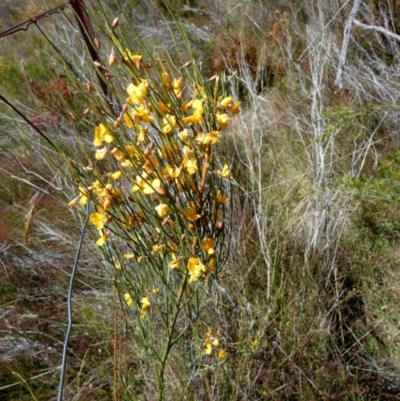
(169, 344)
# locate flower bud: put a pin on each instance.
(115, 23)
(112, 60)
(97, 43)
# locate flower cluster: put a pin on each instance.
(212, 345)
(157, 182)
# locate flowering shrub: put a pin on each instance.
(161, 193)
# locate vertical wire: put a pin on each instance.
(69, 307)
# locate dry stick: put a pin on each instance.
(24, 26)
(346, 41)
(377, 29)
(86, 28)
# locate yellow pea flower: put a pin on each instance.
(196, 269)
(220, 198)
(222, 119)
(207, 246)
(169, 122)
(177, 86)
(159, 248)
(235, 108)
(162, 209)
(129, 256)
(226, 102)
(175, 261)
(183, 135)
(145, 302)
(165, 80)
(208, 349)
(98, 219)
(222, 354)
(102, 133)
(102, 240)
(225, 173)
(191, 212)
(211, 137)
(117, 175)
(132, 57)
(128, 299)
(137, 92)
(197, 116)
(189, 161)
(101, 153)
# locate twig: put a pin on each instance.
(377, 29)
(346, 41)
(24, 26)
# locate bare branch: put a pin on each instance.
(377, 29)
(346, 41)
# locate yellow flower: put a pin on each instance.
(222, 119)
(132, 57)
(117, 175)
(151, 164)
(129, 119)
(191, 212)
(158, 248)
(137, 92)
(162, 209)
(155, 290)
(222, 354)
(189, 161)
(212, 137)
(225, 173)
(102, 240)
(143, 114)
(101, 153)
(220, 198)
(177, 86)
(208, 349)
(235, 108)
(175, 261)
(117, 154)
(83, 200)
(165, 80)
(145, 187)
(226, 102)
(128, 299)
(197, 116)
(145, 302)
(208, 246)
(163, 107)
(98, 219)
(129, 256)
(169, 122)
(118, 266)
(196, 269)
(102, 133)
(183, 135)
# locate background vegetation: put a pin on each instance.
(308, 303)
